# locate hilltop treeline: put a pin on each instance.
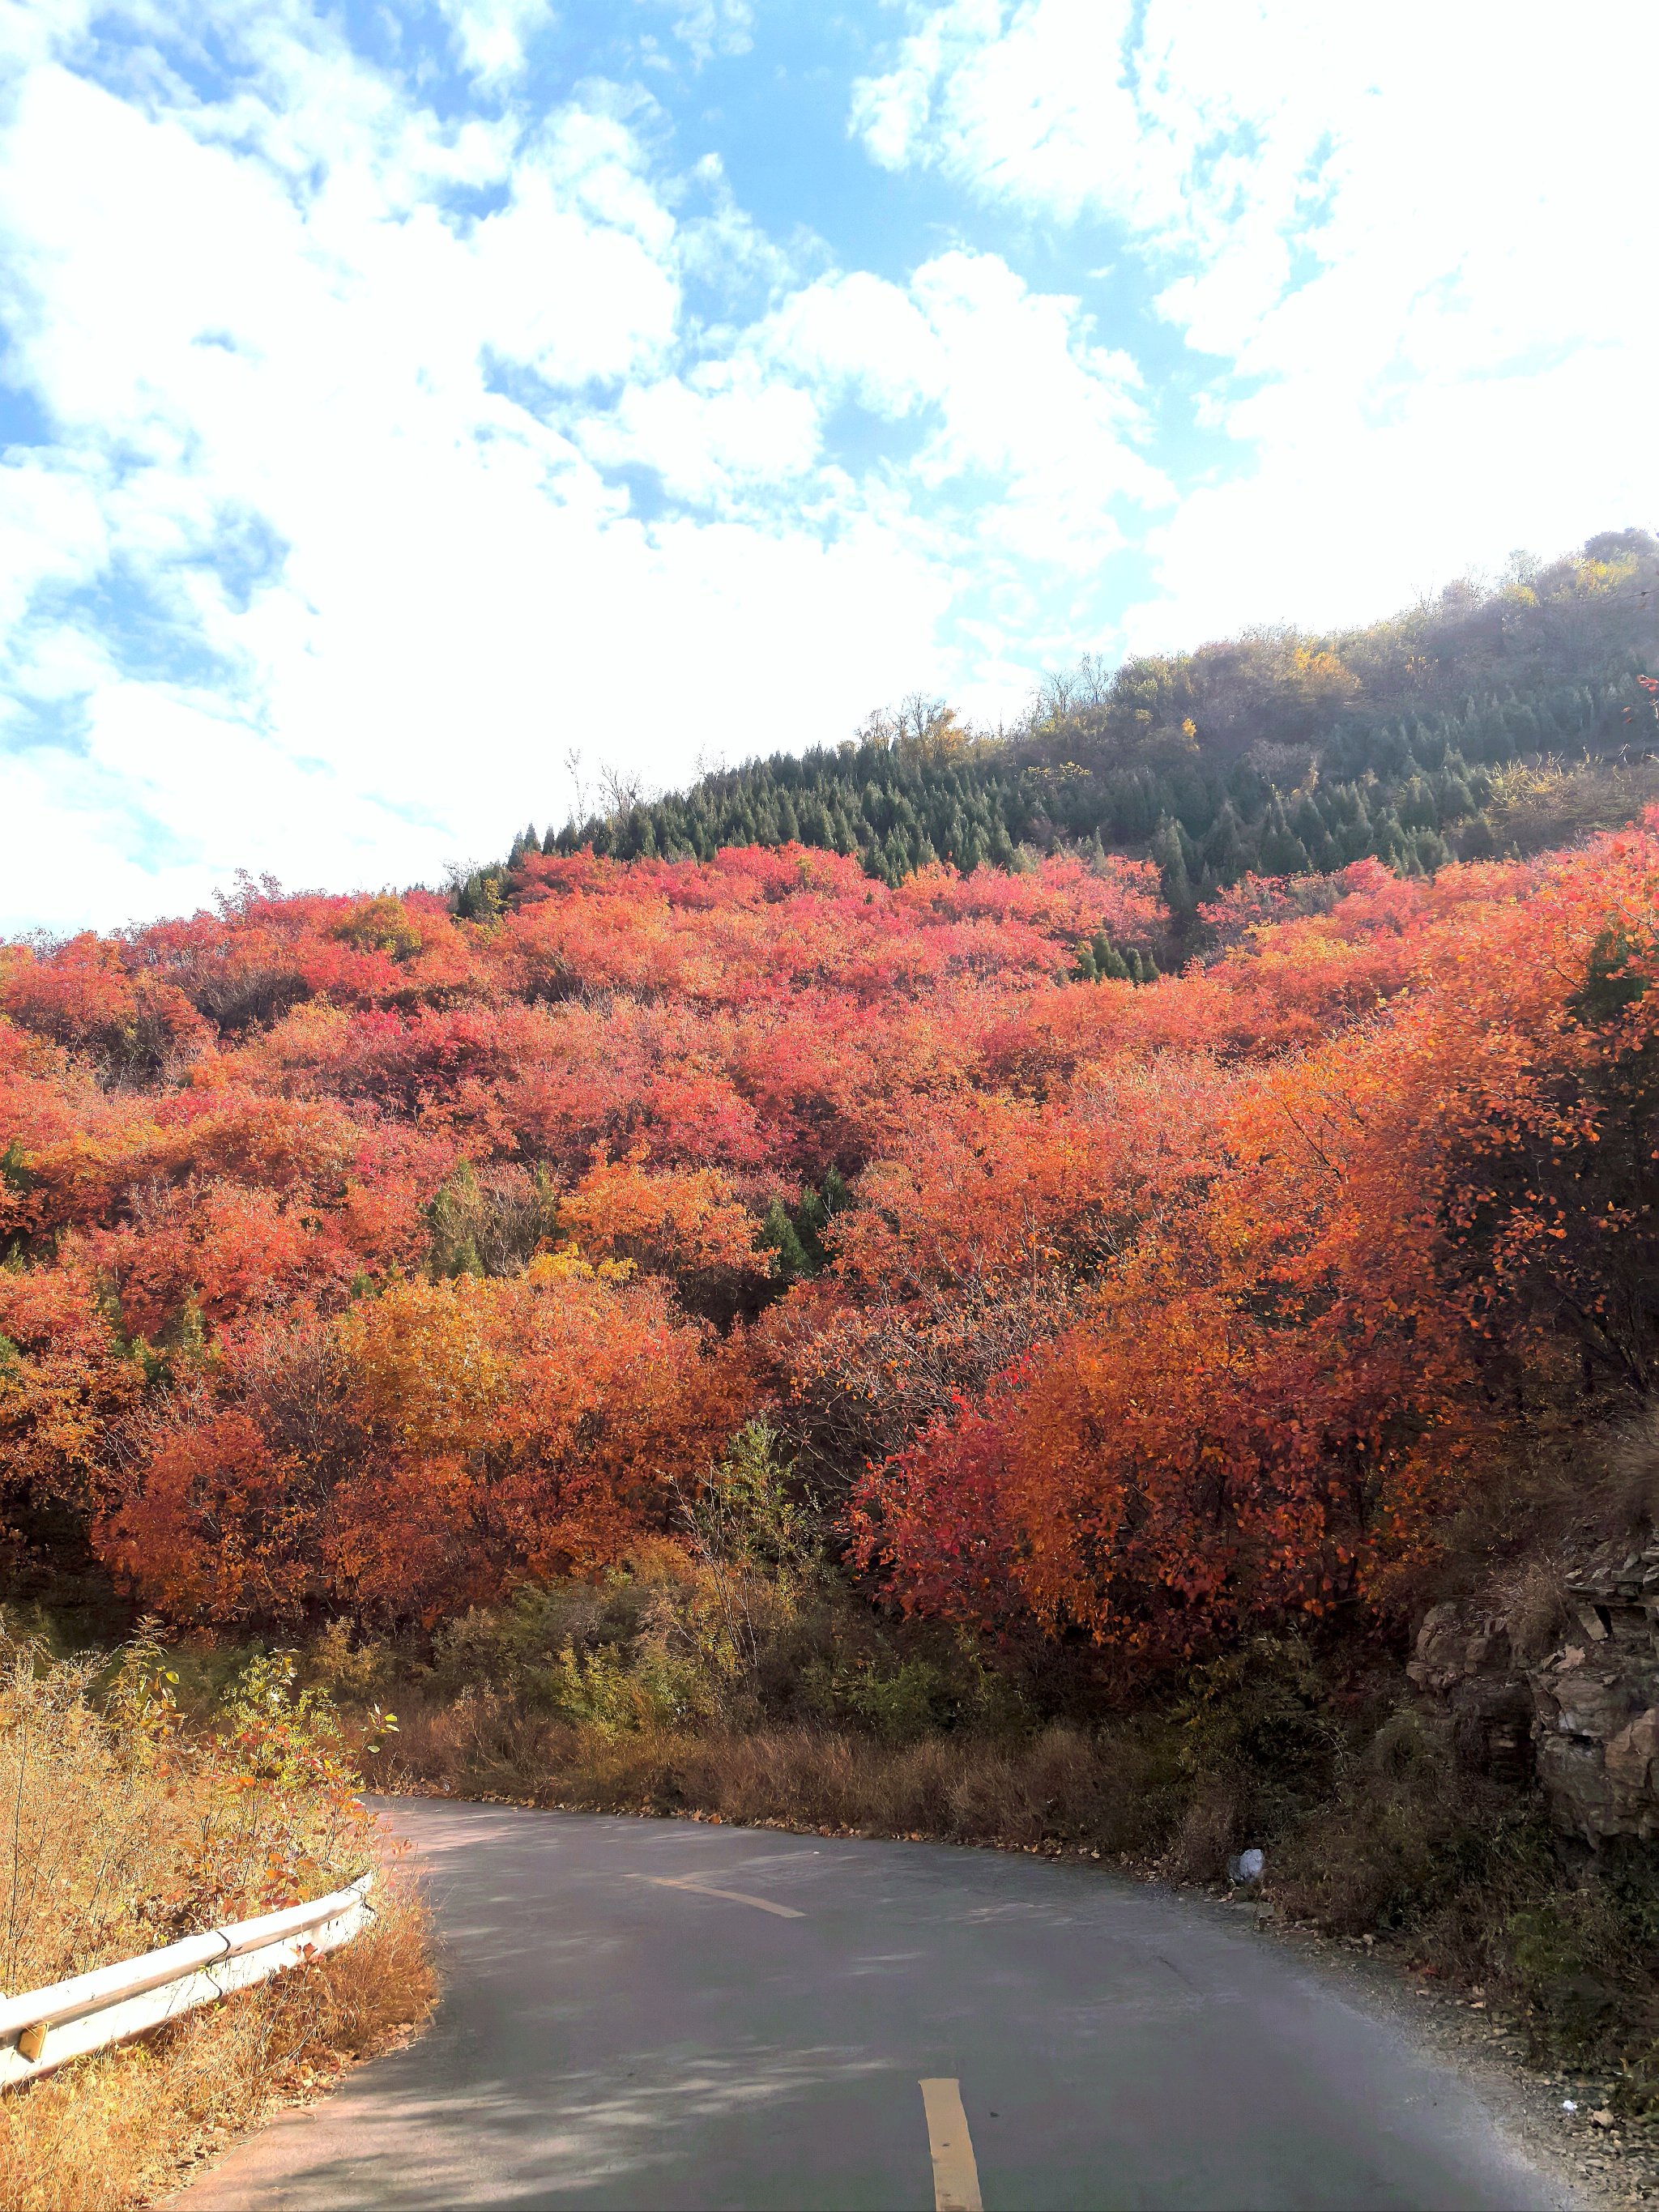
(1276, 753)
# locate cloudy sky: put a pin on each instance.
(395, 397)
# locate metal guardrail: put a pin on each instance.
(42, 2028)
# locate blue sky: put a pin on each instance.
(397, 400)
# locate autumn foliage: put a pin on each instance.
(363, 1258)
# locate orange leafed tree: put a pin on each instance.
(428, 1448)
(688, 1224)
(1277, 1398)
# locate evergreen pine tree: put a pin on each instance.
(1109, 960)
(1282, 851)
(1172, 865)
(1223, 849)
(778, 1236)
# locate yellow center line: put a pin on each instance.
(701, 1888)
(956, 2177)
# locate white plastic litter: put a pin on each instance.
(1250, 1864)
(1568, 2105)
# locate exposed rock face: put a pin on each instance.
(1463, 1660)
(1587, 1716)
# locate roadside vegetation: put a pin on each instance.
(1006, 1352)
(738, 1678)
(125, 1830)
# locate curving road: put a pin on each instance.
(662, 2013)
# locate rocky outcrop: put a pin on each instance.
(1585, 1717)
(1463, 1661)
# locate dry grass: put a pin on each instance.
(1061, 1788)
(119, 2128)
(1632, 1486)
(1544, 803)
(119, 1833)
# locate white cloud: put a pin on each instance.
(1412, 241)
(326, 561)
(708, 28)
(1010, 388)
(578, 284)
(1014, 402)
(492, 34)
(712, 435)
(52, 530)
(860, 337)
(1027, 398)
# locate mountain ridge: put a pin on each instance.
(1279, 752)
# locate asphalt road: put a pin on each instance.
(661, 2014)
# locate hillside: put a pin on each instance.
(362, 1258)
(994, 1354)
(1414, 740)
